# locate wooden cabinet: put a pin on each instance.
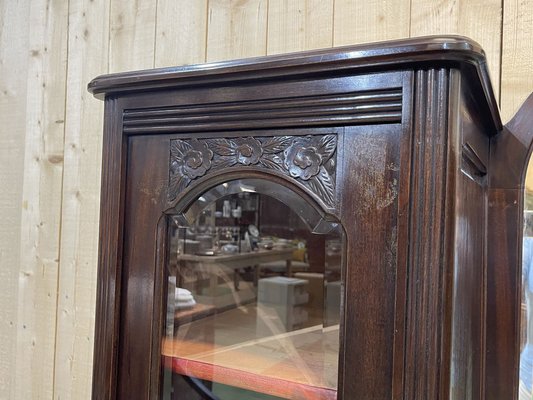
(396, 149)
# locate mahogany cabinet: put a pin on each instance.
(341, 223)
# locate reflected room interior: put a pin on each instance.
(253, 310)
(526, 311)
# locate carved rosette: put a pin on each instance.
(308, 159)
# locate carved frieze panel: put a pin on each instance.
(308, 159)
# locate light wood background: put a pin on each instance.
(50, 132)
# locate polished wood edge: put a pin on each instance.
(109, 258)
(396, 54)
(472, 162)
(365, 53)
(160, 304)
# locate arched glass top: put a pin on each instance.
(255, 282)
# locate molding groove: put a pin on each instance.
(424, 363)
(376, 107)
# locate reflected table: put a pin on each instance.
(224, 265)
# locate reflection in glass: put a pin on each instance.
(254, 298)
(526, 312)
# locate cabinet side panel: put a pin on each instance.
(468, 159)
(110, 246)
(503, 318)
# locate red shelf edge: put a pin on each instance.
(247, 380)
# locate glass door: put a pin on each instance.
(255, 282)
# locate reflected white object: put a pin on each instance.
(230, 248)
(184, 298)
(226, 209)
(281, 299)
(237, 212)
(252, 229)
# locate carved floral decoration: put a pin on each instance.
(190, 159)
(308, 159)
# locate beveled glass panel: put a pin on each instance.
(254, 297)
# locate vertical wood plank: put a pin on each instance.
(370, 21)
(236, 29)
(88, 38)
(41, 212)
(295, 25)
(14, 31)
(477, 19)
(132, 35)
(517, 55)
(181, 32)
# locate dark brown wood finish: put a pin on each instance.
(108, 310)
(399, 54)
(425, 182)
(510, 153)
(144, 249)
(467, 273)
(428, 258)
(372, 183)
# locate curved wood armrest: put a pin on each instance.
(521, 125)
(511, 149)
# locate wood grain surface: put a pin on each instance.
(236, 29)
(184, 32)
(132, 30)
(14, 45)
(87, 55)
(40, 220)
(299, 25)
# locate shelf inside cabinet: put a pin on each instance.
(297, 364)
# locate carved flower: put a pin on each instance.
(303, 158)
(248, 150)
(192, 158)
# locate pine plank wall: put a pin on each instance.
(50, 132)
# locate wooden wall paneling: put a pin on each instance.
(299, 25)
(370, 21)
(463, 17)
(181, 32)
(236, 29)
(88, 38)
(41, 211)
(14, 30)
(132, 35)
(517, 55)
